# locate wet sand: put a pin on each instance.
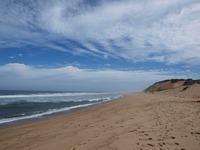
(139, 121)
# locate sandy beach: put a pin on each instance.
(139, 121)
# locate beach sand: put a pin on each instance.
(139, 121)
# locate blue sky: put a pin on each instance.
(101, 45)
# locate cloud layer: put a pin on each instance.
(24, 77)
(161, 31)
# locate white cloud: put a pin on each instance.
(162, 31)
(25, 77)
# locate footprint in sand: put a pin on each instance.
(83, 143)
(176, 143)
(133, 131)
(150, 145)
(195, 132)
(172, 137)
(160, 144)
(141, 132)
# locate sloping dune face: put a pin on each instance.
(179, 87)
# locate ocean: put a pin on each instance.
(20, 105)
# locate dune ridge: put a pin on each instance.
(176, 87)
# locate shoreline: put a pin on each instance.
(137, 121)
(51, 116)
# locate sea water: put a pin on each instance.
(18, 105)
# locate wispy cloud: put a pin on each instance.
(162, 31)
(25, 77)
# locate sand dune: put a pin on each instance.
(177, 87)
(139, 121)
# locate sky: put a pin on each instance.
(97, 45)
